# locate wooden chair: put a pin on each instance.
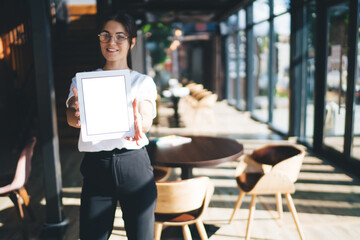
(181, 203)
(13, 186)
(195, 88)
(272, 169)
(201, 94)
(204, 110)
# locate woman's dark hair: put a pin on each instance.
(129, 23)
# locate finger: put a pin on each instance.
(135, 109)
(75, 93)
(135, 103)
(77, 114)
(130, 138)
(76, 105)
(137, 133)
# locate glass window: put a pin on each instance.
(242, 19)
(242, 69)
(261, 10)
(232, 61)
(308, 121)
(336, 88)
(261, 65)
(281, 74)
(233, 23)
(281, 6)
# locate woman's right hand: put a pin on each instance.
(72, 113)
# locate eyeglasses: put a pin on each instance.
(106, 37)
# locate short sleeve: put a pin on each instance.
(148, 92)
(71, 93)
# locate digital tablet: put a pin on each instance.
(105, 105)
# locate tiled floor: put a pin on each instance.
(327, 199)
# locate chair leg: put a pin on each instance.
(237, 205)
(24, 195)
(279, 205)
(186, 232)
(251, 216)
(158, 229)
(201, 230)
(15, 198)
(294, 214)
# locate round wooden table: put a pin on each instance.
(202, 151)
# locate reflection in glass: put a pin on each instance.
(334, 124)
(281, 74)
(356, 140)
(232, 61)
(307, 130)
(281, 6)
(261, 10)
(261, 65)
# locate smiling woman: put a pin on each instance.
(118, 170)
(113, 45)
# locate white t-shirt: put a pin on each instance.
(142, 88)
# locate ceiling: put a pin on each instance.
(186, 11)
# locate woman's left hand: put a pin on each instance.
(137, 124)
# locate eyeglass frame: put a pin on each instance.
(113, 36)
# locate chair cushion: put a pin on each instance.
(159, 174)
(272, 155)
(180, 217)
(247, 181)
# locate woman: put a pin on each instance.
(118, 170)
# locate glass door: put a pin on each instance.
(307, 122)
(281, 75)
(356, 126)
(336, 76)
(261, 74)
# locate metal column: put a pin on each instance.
(297, 69)
(47, 112)
(352, 75)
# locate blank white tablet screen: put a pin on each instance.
(105, 105)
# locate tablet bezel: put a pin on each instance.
(124, 75)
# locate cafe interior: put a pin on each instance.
(257, 132)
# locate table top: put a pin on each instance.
(202, 151)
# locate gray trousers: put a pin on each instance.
(124, 176)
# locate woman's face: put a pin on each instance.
(115, 51)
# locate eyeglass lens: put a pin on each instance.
(106, 37)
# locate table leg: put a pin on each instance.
(186, 172)
(175, 101)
